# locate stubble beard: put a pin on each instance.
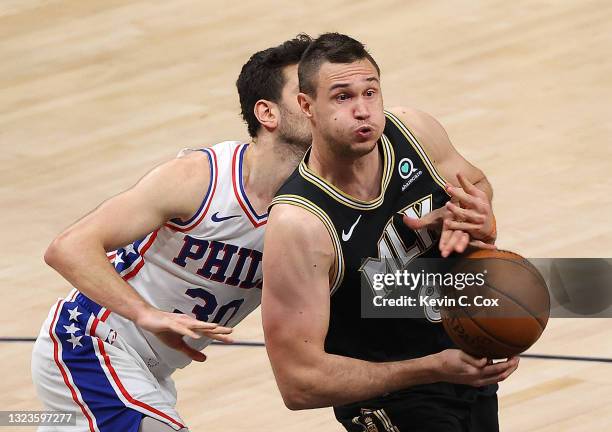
(294, 131)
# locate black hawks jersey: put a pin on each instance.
(364, 232)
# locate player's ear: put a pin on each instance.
(266, 113)
(305, 104)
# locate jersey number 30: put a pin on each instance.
(209, 304)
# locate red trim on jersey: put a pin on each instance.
(126, 394)
(142, 251)
(63, 372)
(74, 294)
(214, 175)
(94, 326)
(237, 194)
(105, 315)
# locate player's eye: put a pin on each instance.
(370, 93)
(342, 97)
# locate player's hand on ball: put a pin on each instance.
(171, 327)
(458, 367)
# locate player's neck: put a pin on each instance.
(358, 177)
(267, 164)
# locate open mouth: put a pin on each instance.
(364, 132)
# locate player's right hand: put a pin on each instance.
(458, 367)
(171, 327)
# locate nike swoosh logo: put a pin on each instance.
(217, 218)
(347, 236)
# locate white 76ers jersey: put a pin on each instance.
(209, 267)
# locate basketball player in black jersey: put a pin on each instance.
(342, 205)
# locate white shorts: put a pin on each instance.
(81, 365)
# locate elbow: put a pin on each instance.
(59, 250)
(301, 393)
(53, 254)
(298, 400)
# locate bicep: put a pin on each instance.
(436, 142)
(173, 189)
(298, 255)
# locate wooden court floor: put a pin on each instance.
(94, 93)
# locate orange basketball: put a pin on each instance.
(518, 305)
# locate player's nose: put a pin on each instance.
(361, 110)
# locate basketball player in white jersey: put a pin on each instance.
(162, 269)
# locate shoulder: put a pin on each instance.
(294, 218)
(429, 132)
(418, 121)
(295, 223)
(189, 167)
(176, 185)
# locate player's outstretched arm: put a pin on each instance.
(469, 214)
(295, 309)
(172, 190)
(448, 161)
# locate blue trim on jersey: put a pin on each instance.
(88, 376)
(87, 303)
(128, 259)
(244, 195)
(179, 222)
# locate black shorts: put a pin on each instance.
(422, 412)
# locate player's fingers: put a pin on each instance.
(473, 361)
(190, 322)
(205, 328)
(495, 378)
(462, 243)
(482, 245)
(210, 327)
(468, 186)
(431, 219)
(219, 330)
(458, 243)
(175, 341)
(414, 223)
(444, 237)
(220, 337)
(184, 331)
(465, 215)
(515, 360)
(500, 368)
(181, 317)
(462, 196)
(481, 382)
(192, 353)
(463, 226)
(449, 246)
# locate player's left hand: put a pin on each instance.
(466, 220)
(471, 209)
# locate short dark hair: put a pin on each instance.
(262, 76)
(333, 48)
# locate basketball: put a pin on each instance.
(502, 316)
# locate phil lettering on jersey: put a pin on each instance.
(217, 256)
